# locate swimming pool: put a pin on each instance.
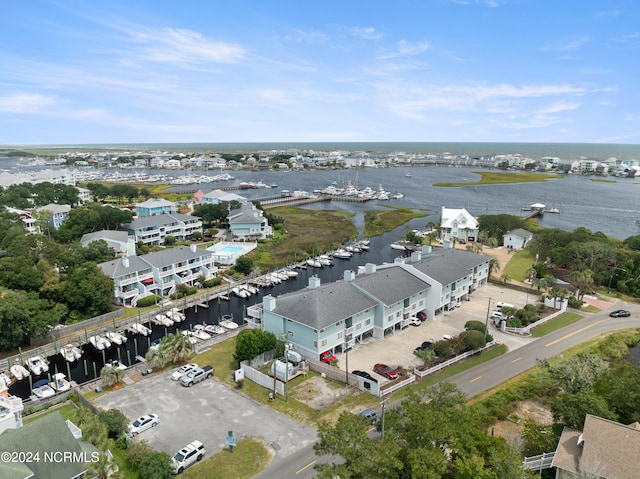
(231, 250)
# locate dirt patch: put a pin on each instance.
(319, 393)
(533, 410)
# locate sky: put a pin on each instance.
(121, 71)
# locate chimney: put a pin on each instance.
(193, 248)
(416, 256)
(268, 303)
(125, 262)
(369, 268)
(349, 275)
(314, 282)
(426, 249)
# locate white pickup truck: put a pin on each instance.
(196, 375)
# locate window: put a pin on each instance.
(367, 322)
(323, 343)
(339, 335)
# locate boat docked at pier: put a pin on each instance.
(70, 353)
(176, 315)
(163, 320)
(100, 342)
(37, 365)
(227, 322)
(19, 372)
(60, 383)
(139, 328)
(116, 337)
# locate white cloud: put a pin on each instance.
(567, 46)
(557, 107)
(23, 102)
(368, 33)
(171, 45)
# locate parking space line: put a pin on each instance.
(475, 379)
(515, 360)
(305, 467)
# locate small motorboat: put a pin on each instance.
(199, 332)
(116, 337)
(342, 254)
(139, 328)
(100, 342)
(114, 363)
(5, 380)
(176, 315)
(19, 372)
(37, 365)
(42, 389)
(71, 353)
(163, 320)
(60, 383)
(314, 263)
(214, 329)
(192, 338)
(227, 322)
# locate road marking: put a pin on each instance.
(575, 332)
(475, 379)
(306, 467)
(517, 359)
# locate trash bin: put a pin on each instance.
(98, 389)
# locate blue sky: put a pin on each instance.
(77, 72)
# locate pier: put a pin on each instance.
(538, 209)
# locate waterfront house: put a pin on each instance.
(26, 217)
(248, 223)
(58, 445)
(218, 196)
(153, 230)
(155, 206)
(604, 449)
(158, 273)
(120, 241)
(458, 224)
(58, 213)
(375, 303)
(517, 239)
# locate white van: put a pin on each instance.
(500, 305)
(187, 456)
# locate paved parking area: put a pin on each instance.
(397, 349)
(206, 412)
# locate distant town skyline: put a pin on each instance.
(360, 71)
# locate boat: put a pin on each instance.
(342, 254)
(200, 333)
(314, 262)
(240, 292)
(19, 372)
(189, 334)
(60, 383)
(100, 342)
(155, 344)
(212, 329)
(37, 365)
(399, 246)
(163, 320)
(408, 175)
(116, 338)
(227, 322)
(41, 389)
(5, 380)
(325, 260)
(397, 196)
(291, 273)
(114, 363)
(176, 315)
(70, 353)
(139, 328)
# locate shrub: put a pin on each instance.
(473, 339)
(443, 349)
(575, 303)
(475, 326)
(210, 283)
(149, 301)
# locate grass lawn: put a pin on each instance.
(248, 458)
(67, 410)
(565, 319)
(519, 263)
(498, 178)
(377, 222)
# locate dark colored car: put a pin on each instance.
(370, 414)
(620, 313)
(423, 346)
(386, 371)
(366, 375)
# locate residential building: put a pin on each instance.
(604, 449)
(27, 219)
(59, 213)
(10, 410)
(517, 239)
(217, 196)
(247, 223)
(155, 206)
(84, 195)
(120, 241)
(376, 302)
(48, 437)
(157, 273)
(153, 230)
(458, 224)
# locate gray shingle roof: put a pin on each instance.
(120, 236)
(117, 268)
(48, 434)
(391, 284)
(160, 220)
(324, 305)
(447, 265)
(522, 233)
(170, 256)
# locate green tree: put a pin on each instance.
(426, 355)
(111, 375)
(571, 409)
(251, 342)
(87, 290)
(494, 266)
(176, 347)
(156, 358)
(580, 372)
(115, 421)
(473, 339)
(20, 273)
(244, 265)
(156, 465)
(538, 439)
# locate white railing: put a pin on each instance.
(539, 462)
(391, 389)
(527, 329)
(451, 361)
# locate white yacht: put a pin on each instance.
(139, 328)
(176, 315)
(115, 337)
(100, 342)
(19, 372)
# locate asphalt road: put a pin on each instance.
(483, 377)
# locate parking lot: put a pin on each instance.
(397, 349)
(204, 412)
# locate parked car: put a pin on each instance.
(366, 375)
(327, 357)
(421, 316)
(620, 313)
(446, 337)
(386, 371)
(414, 321)
(187, 456)
(196, 375)
(370, 414)
(142, 424)
(177, 374)
(423, 346)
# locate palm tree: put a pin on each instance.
(156, 358)
(176, 347)
(556, 292)
(494, 266)
(584, 280)
(111, 375)
(105, 467)
(505, 277)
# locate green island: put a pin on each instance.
(499, 178)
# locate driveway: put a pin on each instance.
(397, 349)
(206, 412)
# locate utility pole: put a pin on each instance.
(486, 324)
(382, 414)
